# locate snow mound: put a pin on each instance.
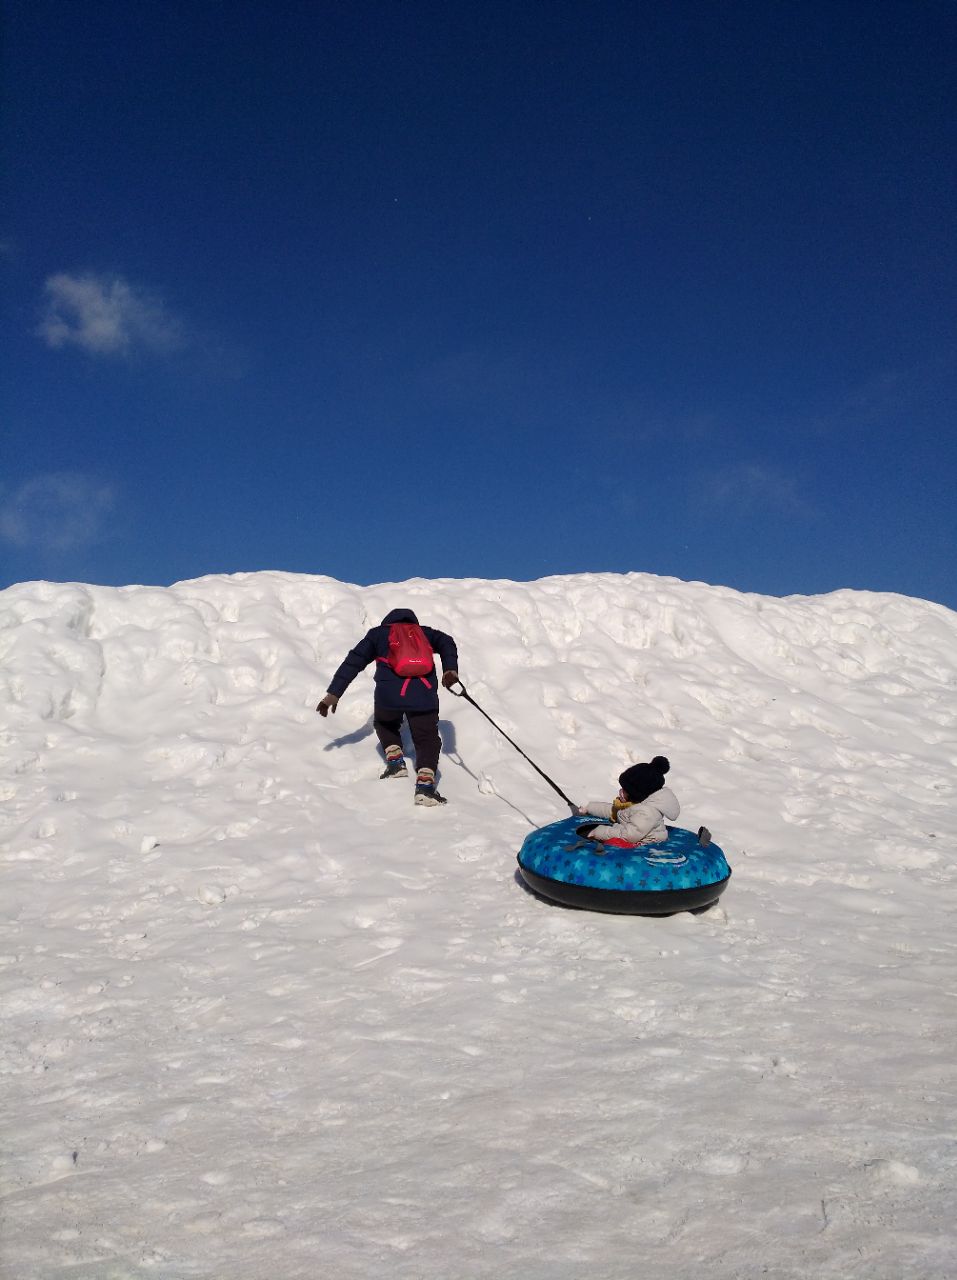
(260, 1011)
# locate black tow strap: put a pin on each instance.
(462, 692)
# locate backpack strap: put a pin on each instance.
(408, 680)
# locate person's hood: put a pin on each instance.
(398, 615)
(666, 802)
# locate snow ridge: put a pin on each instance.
(260, 1012)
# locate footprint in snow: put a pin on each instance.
(261, 1228)
(892, 1172)
(211, 895)
(723, 1164)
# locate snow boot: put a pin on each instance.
(425, 792)
(394, 764)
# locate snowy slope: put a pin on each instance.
(264, 1018)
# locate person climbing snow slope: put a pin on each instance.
(406, 685)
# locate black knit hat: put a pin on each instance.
(643, 780)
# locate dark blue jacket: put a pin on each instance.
(421, 692)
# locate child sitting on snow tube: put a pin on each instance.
(639, 811)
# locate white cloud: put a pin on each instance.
(106, 316)
(55, 511)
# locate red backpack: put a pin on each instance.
(410, 653)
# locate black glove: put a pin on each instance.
(329, 703)
(450, 678)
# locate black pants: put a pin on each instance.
(424, 727)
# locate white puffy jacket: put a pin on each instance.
(639, 823)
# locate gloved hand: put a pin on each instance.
(329, 703)
(450, 678)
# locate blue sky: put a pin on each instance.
(382, 290)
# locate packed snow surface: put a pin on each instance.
(265, 1018)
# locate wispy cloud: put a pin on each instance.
(106, 316)
(55, 511)
(751, 485)
(894, 398)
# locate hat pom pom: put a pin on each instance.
(661, 763)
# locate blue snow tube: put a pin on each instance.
(681, 873)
